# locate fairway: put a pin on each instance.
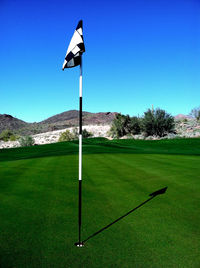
(39, 204)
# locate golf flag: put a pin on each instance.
(75, 49)
(74, 58)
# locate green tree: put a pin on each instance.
(6, 135)
(75, 133)
(120, 126)
(134, 125)
(123, 125)
(69, 136)
(26, 141)
(157, 122)
(14, 137)
(66, 136)
(86, 134)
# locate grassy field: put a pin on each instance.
(39, 196)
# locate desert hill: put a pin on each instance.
(9, 122)
(56, 122)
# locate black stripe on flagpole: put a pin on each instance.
(80, 208)
(80, 116)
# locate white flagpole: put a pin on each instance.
(80, 244)
(73, 55)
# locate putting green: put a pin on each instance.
(39, 197)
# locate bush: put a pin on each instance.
(120, 126)
(158, 123)
(195, 113)
(134, 125)
(14, 137)
(86, 134)
(7, 135)
(123, 125)
(69, 136)
(26, 141)
(75, 133)
(66, 136)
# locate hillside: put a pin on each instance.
(56, 122)
(65, 116)
(182, 116)
(185, 126)
(9, 122)
(71, 119)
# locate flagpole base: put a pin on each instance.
(79, 244)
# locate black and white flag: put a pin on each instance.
(75, 49)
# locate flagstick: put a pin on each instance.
(79, 243)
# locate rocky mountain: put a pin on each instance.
(71, 118)
(56, 122)
(182, 116)
(61, 121)
(9, 122)
(49, 130)
(65, 116)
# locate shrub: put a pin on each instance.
(195, 113)
(66, 136)
(86, 134)
(75, 133)
(7, 135)
(69, 136)
(134, 125)
(14, 137)
(158, 123)
(26, 141)
(120, 126)
(123, 125)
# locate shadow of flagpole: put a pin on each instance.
(154, 194)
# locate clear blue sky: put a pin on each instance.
(138, 53)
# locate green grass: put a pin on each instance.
(39, 196)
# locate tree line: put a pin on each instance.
(153, 123)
